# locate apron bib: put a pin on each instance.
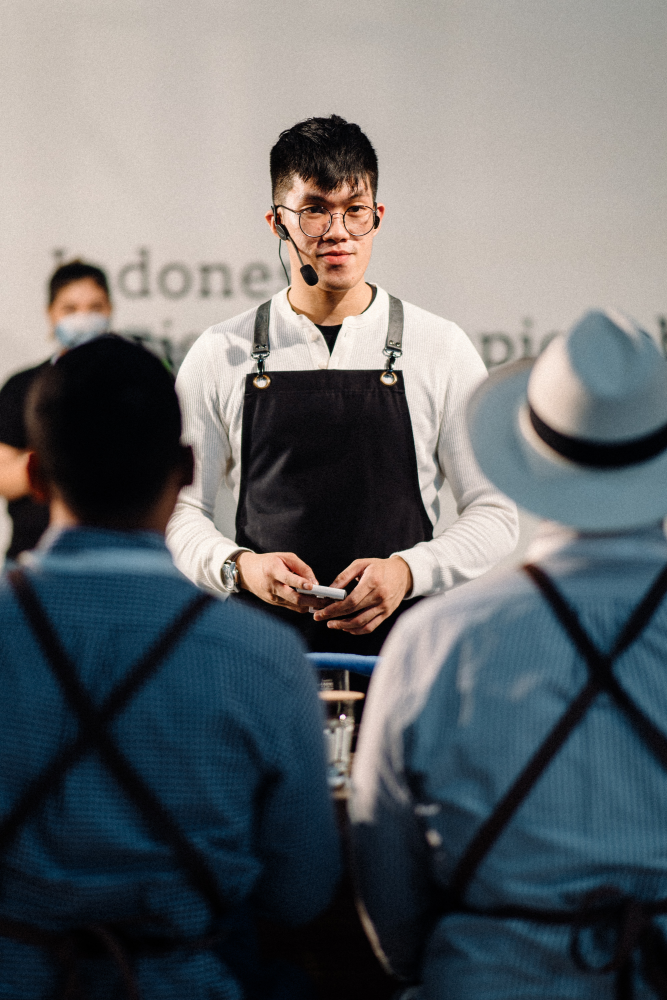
(329, 471)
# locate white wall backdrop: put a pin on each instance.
(522, 154)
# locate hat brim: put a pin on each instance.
(512, 456)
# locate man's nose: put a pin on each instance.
(337, 230)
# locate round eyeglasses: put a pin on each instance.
(316, 221)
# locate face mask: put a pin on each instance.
(79, 327)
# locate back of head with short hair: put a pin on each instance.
(76, 270)
(105, 423)
(328, 151)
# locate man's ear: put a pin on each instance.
(187, 465)
(270, 218)
(39, 488)
(379, 211)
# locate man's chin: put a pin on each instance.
(337, 280)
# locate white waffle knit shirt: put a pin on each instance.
(441, 368)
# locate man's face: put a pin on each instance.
(339, 259)
(84, 295)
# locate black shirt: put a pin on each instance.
(331, 332)
(29, 518)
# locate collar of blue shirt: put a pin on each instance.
(556, 540)
(101, 550)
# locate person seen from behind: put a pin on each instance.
(162, 776)
(79, 307)
(510, 783)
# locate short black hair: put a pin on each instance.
(76, 270)
(105, 423)
(329, 151)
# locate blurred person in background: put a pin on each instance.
(79, 307)
(510, 785)
(162, 775)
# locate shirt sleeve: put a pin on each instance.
(390, 859)
(198, 548)
(487, 527)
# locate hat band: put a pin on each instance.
(597, 454)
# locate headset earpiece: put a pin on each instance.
(308, 272)
(280, 229)
(376, 218)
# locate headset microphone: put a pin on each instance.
(308, 272)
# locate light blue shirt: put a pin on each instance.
(228, 734)
(468, 688)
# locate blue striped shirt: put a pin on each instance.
(228, 734)
(468, 688)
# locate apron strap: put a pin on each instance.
(600, 678)
(393, 347)
(600, 664)
(75, 945)
(94, 733)
(625, 923)
(260, 339)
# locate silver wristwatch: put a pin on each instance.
(230, 576)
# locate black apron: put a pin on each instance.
(121, 944)
(605, 912)
(329, 472)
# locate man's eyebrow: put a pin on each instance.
(317, 195)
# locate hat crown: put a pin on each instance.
(604, 381)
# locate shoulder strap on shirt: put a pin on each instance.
(393, 347)
(600, 664)
(260, 341)
(394, 342)
(95, 733)
(600, 678)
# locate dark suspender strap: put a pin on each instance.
(642, 615)
(626, 925)
(600, 677)
(115, 702)
(600, 665)
(393, 347)
(632, 629)
(490, 830)
(261, 347)
(94, 732)
(394, 341)
(68, 947)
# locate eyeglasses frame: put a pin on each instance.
(299, 212)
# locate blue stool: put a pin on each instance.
(344, 661)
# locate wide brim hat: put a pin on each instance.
(579, 435)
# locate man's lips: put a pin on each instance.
(335, 256)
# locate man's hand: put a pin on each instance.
(272, 576)
(383, 583)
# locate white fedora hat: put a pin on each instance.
(580, 435)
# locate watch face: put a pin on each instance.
(229, 576)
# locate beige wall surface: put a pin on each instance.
(522, 150)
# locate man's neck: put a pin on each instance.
(329, 308)
(156, 518)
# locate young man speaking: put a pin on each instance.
(334, 413)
